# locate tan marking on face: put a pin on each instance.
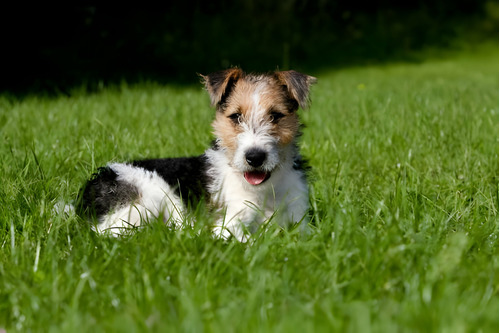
(226, 132)
(256, 101)
(286, 129)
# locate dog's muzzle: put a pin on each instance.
(255, 158)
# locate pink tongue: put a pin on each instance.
(255, 177)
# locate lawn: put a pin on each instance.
(404, 197)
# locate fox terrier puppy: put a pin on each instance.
(252, 173)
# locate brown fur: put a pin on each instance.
(226, 132)
(232, 92)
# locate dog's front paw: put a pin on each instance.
(226, 232)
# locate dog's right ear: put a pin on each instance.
(219, 84)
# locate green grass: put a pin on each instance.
(404, 195)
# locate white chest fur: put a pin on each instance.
(283, 197)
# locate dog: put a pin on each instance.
(252, 173)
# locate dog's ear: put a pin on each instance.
(298, 85)
(219, 84)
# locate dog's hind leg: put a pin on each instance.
(120, 196)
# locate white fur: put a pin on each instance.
(243, 207)
(156, 198)
(256, 137)
(284, 197)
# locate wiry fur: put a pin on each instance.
(250, 174)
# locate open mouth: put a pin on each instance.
(256, 177)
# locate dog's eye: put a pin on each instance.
(274, 117)
(235, 117)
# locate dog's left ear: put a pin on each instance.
(298, 85)
(220, 84)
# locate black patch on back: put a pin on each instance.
(103, 193)
(186, 175)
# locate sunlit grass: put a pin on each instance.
(404, 196)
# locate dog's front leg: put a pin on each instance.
(238, 221)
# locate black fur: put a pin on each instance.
(298, 85)
(220, 84)
(187, 175)
(103, 192)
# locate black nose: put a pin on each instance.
(255, 157)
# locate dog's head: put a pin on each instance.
(256, 121)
